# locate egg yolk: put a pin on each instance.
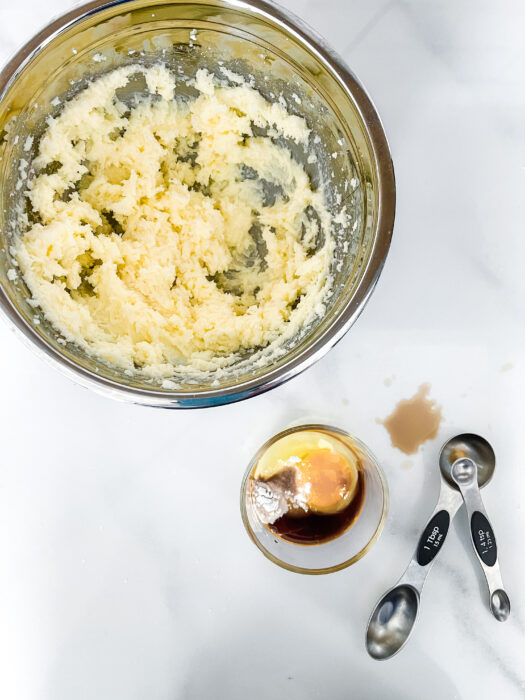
(309, 472)
(327, 481)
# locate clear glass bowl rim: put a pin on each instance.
(380, 525)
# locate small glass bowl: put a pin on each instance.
(336, 554)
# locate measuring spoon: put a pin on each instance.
(464, 471)
(393, 618)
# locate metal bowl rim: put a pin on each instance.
(380, 246)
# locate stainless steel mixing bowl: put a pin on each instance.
(282, 56)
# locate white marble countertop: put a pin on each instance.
(108, 590)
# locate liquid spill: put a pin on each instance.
(414, 421)
(388, 381)
(407, 464)
(506, 367)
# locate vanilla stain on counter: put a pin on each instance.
(413, 421)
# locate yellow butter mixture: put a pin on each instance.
(172, 234)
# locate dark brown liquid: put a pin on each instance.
(317, 529)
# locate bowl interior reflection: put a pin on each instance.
(261, 46)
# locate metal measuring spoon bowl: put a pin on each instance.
(464, 472)
(393, 617)
(391, 622)
(473, 447)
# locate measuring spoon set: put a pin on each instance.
(467, 463)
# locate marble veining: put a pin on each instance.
(110, 590)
